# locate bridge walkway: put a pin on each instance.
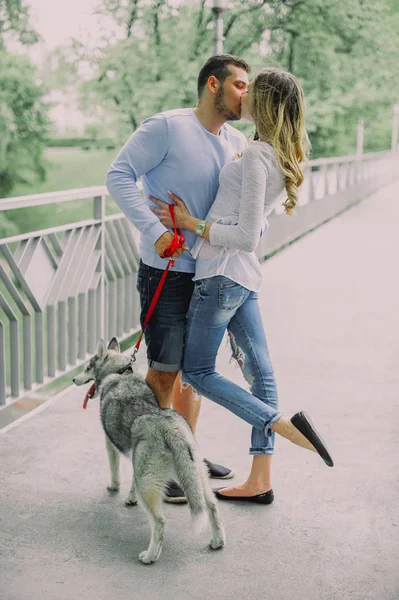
(330, 307)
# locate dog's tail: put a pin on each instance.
(188, 470)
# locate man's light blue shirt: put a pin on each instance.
(170, 151)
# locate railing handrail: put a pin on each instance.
(52, 197)
(59, 229)
(317, 162)
(87, 193)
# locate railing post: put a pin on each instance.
(2, 366)
(99, 213)
(51, 344)
(62, 335)
(91, 319)
(27, 350)
(324, 171)
(310, 175)
(82, 319)
(360, 137)
(14, 346)
(39, 346)
(72, 351)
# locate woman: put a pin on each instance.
(228, 276)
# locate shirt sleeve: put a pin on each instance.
(246, 234)
(143, 151)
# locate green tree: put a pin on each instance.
(155, 66)
(344, 52)
(15, 22)
(23, 121)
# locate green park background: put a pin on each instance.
(344, 52)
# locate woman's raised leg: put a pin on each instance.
(214, 303)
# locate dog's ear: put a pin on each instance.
(101, 351)
(114, 345)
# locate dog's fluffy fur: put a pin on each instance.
(160, 442)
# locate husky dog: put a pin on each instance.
(160, 442)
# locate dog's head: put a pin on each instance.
(104, 362)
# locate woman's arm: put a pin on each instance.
(243, 236)
(246, 234)
(182, 217)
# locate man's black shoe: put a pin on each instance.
(174, 494)
(217, 471)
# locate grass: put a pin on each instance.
(69, 168)
(66, 169)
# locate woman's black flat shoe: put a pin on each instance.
(303, 422)
(266, 498)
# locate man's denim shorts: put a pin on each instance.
(164, 334)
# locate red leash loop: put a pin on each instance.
(178, 237)
(177, 242)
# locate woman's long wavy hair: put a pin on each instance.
(278, 112)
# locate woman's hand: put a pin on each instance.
(162, 212)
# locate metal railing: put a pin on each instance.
(63, 288)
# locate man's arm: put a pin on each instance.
(144, 150)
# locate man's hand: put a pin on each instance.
(164, 241)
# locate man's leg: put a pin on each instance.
(165, 331)
(164, 338)
(186, 402)
(162, 385)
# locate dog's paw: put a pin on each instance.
(217, 543)
(146, 558)
(113, 486)
(130, 500)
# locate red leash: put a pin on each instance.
(89, 395)
(177, 242)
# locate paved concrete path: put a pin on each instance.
(330, 305)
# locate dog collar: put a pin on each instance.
(125, 368)
(92, 388)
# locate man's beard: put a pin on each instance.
(221, 107)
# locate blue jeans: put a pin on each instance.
(164, 333)
(217, 304)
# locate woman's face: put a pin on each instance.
(246, 104)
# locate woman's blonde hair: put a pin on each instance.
(278, 112)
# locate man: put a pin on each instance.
(182, 151)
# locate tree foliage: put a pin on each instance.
(345, 53)
(23, 121)
(14, 22)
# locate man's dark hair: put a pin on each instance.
(218, 66)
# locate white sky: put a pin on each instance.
(57, 21)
